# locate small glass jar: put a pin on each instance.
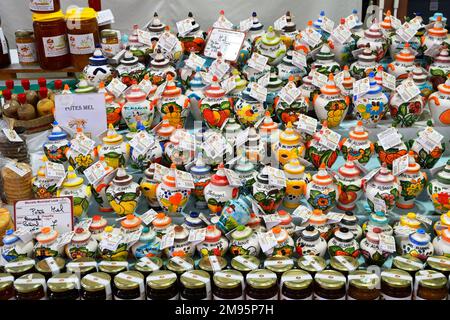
(63, 286)
(329, 285)
(431, 285)
(82, 266)
(344, 264)
(279, 265)
(30, 287)
(363, 285)
(147, 265)
(244, 264)
(195, 285)
(296, 285)
(48, 6)
(396, 284)
(440, 264)
(162, 285)
(96, 286)
(205, 264)
(110, 41)
(26, 47)
(408, 263)
(228, 285)
(180, 266)
(112, 268)
(49, 267)
(20, 267)
(129, 285)
(311, 264)
(261, 285)
(6, 286)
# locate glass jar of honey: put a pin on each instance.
(228, 285)
(82, 266)
(31, 286)
(96, 286)
(50, 33)
(261, 285)
(430, 285)
(179, 265)
(50, 266)
(47, 6)
(147, 265)
(245, 263)
(63, 286)
(363, 285)
(396, 284)
(20, 267)
(162, 285)
(129, 285)
(195, 285)
(408, 263)
(82, 32)
(311, 264)
(329, 285)
(26, 47)
(296, 285)
(440, 264)
(279, 264)
(110, 42)
(344, 264)
(6, 287)
(212, 264)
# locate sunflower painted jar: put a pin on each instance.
(249, 110)
(173, 104)
(98, 188)
(46, 244)
(296, 182)
(123, 193)
(319, 154)
(171, 198)
(194, 40)
(159, 68)
(73, 186)
(325, 63)
(82, 245)
(440, 68)
(365, 64)
(42, 186)
(148, 186)
(357, 146)
(214, 244)
(439, 104)
(137, 108)
(385, 186)
(271, 46)
(290, 143)
(56, 147)
(412, 181)
(115, 151)
(268, 196)
(406, 113)
(439, 190)
(350, 185)
(285, 244)
(403, 64)
(375, 40)
(215, 107)
(78, 160)
(290, 112)
(201, 173)
(218, 191)
(322, 192)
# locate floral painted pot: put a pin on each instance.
(439, 190)
(296, 182)
(115, 151)
(424, 157)
(439, 104)
(174, 152)
(375, 40)
(214, 245)
(285, 244)
(403, 64)
(14, 248)
(442, 224)
(342, 51)
(350, 184)
(365, 64)
(271, 46)
(46, 244)
(173, 104)
(97, 70)
(418, 245)
(388, 156)
(412, 182)
(234, 213)
(343, 243)
(42, 186)
(319, 220)
(123, 193)
(357, 147)
(286, 69)
(195, 93)
(201, 173)
(148, 186)
(218, 191)
(325, 63)
(268, 197)
(148, 244)
(300, 43)
(311, 243)
(248, 110)
(98, 188)
(255, 223)
(161, 224)
(407, 113)
(289, 144)
(182, 247)
(379, 220)
(171, 198)
(57, 145)
(370, 249)
(137, 109)
(385, 186)
(350, 221)
(78, 160)
(317, 153)
(82, 245)
(159, 69)
(420, 78)
(290, 112)
(441, 244)
(215, 107)
(129, 69)
(440, 68)
(97, 227)
(244, 241)
(155, 153)
(322, 192)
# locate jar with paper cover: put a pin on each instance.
(248, 109)
(123, 193)
(365, 64)
(268, 196)
(385, 187)
(406, 113)
(219, 191)
(15, 248)
(322, 192)
(374, 38)
(370, 248)
(439, 104)
(396, 285)
(349, 181)
(98, 70)
(244, 241)
(30, 287)
(171, 198)
(412, 182)
(357, 146)
(214, 243)
(119, 252)
(228, 285)
(343, 243)
(363, 285)
(296, 182)
(148, 244)
(441, 243)
(159, 68)
(440, 68)
(318, 153)
(290, 112)
(310, 242)
(137, 109)
(439, 190)
(173, 103)
(181, 245)
(56, 146)
(261, 285)
(439, 263)
(81, 160)
(285, 245)
(271, 46)
(408, 263)
(43, 187)
(129, 69)
(235, 212)
(289, 144)
(403, 64)
(406, 225)
(98, 188)
(418, 245)
(379, 220)
(97, 227)
(46, 245)
(241, 84)
(174, 150)
(115, 151)
(81, 245)
(442, 224)
(161, 224)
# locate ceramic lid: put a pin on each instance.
(112, 136)
(147, 234)
(47, 235)
(130, 222)
(72, 180)
(270, 38)
(135, 94)
(443, 176)
(196, 82)
(241, 232)
(322, 176)
(308, 79)
(81, 235)
(349, 169)
(200, 168)
(420, 237)
(159, 61)
(379, 218)
(57, 133)
(374, 31)
(212, 234)
(443, 56)
(254, 220)
(274, 83)
(384, 175)
(42, 171)
(410, 220)
(122, 178)
(348, 80)
(244, 165)
(290, 24)
(222, 21)
(150, 171)
(349, 219)
(241, 82)
(284, 217)
(325, 53)
(256, 24)
(405, 55)
(219, 178)
(129, 59)
(171, 89)
(161, 220)
(156, 25)
(280, 234)
(358, 23)
(438, 29)
(98, 59)
(359, 132)
(84, 87)
(433, 18)
(445, 219)
(194, 23)
(232, 126)
(215, 90)
(310, 233)
(268, 124)
(367, 55)
(344, 234)
(166, 129)
(170, 178)
(293, 166)
(413, 166)
(330, 87)
(319, 21)
(98, 222)
(374, 86)
(397, 278)
(419, 75)
(318, 217)
(373, 236)
(9, 238)
(387, 21)
(445, 87)
(289, 135)
(181, 233)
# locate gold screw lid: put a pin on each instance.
(190, 280)
(431, 279)
(112, 267)
(127, 280)
(278, 264)
(296, 279)
(363, 279)
(228, 279)
(88, 282)
(344, 263)
(46, 265)
(206, 265)
(439, 263)
(20, 265)
(408, 263)
(142, 266)
(261, 278)
(29, 282)
(174, 266)
(396, 278)
(330, 279)
(161, 279)
(62, 282)
(6, 280)
(312, 263)
(245, 263)
(82, 265)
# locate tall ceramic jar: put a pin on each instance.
(290, 112)
(82, 245)
(289, 144)
(56, 146)
(78, 160)
(403, 64)
(218, 191)
(46, 244)
(406, 113)
(365, 64)
(244, 241)
(350, 185)
(439, 190)
(439, 104)
(214, 244)
(371, 106)
(215, 106)
(43, 187)
(350, 221)
(115, 151)
(325, 63)
(159, 68)
(123, 193)
(269, 133)
(148, 186)
(296, 181)
(357, 147)
(383, 186)
(161, 224)
(310, 242)
(331, 105)
(268, 196)
(182, 247)
(319, 154)
(374, 38)
(274, 86)
(98, 188)
(412, 182)
(249, 110)
(440, 68)
(173, 104)
(170, 197)
(343, 243)
(235, 212)
(137, 108)
(194, 40)
(342, 51)
(418, 245)
(74, 187)
(322, 192)
(271, 46)
(436, 34)
(201, 173)
(195, 93)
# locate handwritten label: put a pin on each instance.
(227, 42)
(351, 21)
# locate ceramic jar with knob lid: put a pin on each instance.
(385, 187)
(418, 245)
(406, 225)
(244, 241)
(201, 173)
(173, 104)
(357, 147)
(249, 110)
(289, 144)
(43, 187)
(81, 245)
(123, 193)
(285, 244)
(412, 182)
(370, 248)
(215, 107)
(440, 68)
(296, 182)
(267, 195)
(439, 104)
(350, 221)
(405, 114)
(290, 112)
(137, 108)
(310, 242)
(195, 93)
(57, 145)
(319, 220)
(271, 46)
(439, 190)
(365, 64)
(343, 243)
(214, 243)
(403, 64)
(193, 221)
(46, 244)
(436, 34)
(161, 224)
(350, 185)
(182, 247)
(322, 192)
(116, 152)
(379, 220)
(170, 197)
(375, 40)
(325, 63)
(159, 68)
(246, 171)
(148, 244)
(219, 191)
(318, 153)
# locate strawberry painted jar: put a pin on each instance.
(310, 242)
(215, 106)
(343, 243)
(171, 198)
(218, 191)
(412, 181)
(214, 244)
(268, 196)
(319, 154)
(402, 65)
(374, 38)
(405, 114)
(137, 108)
(322, 192)
(350, 185)
(173, 104)
(357, 146)
(384, 186)
(439, 190)
(439, 104)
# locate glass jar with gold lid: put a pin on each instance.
(129, 285)
(179, 265)
(312, 264)
(63, 286)
(228, 285)
(440, 264)
(279, 264)
(195, 285)
(245, 263)
(147, 265)
(344, 264)
(31, 286)
(212, 264)
(162, 285)
(96, 286)
(329, 285)
(430, 285)
(6, 286)
(261, 285)
(50, 266)
(82, 266)
(363, 285)
(113, 267)
(408, 263)
(20, 267)
(396, 284)
(296, 285)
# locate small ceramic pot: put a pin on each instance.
(137, 108)
(82, 245)
(46, 241)
(182, 247)
(308, 89)
(274, 86)
(296, 182)
(425, 157)
(248, 110)
(193, 222)
(439, 190)
(325, 63)
(42, 186)
(365, 64)
(319, 220)
(123, 193)
(235, 212)
(418, 245)
(436, 34)
(195, 93)
(97, 70)
(153, 155)
(385, 186)
(161, 224)
(310, 242)
(129, 68)
(97, 227)
(121, 252)
(319, 154)
(285, 245)
(271, 46)
(375, 40)
(148, 244)
(412, 182)
(159, 68)
(397, 44)
(148, 187)
(78, 160)
(244, 242)
(215, 107)
(370, 248)
(201, 174)
(290, 112)
(286, 222)
(219, 191)
(289, 32)
(402, 65)
(115, 151)
(289, 145)
(56, 147)
(98, 188)
(255, 223)
(174, 152)
(247, 172)
(171, 198)
(214, 244)
(442, 224)
(406, 225)
(350, 221)
(14, 248)
(343, 243)
(377, 220)
(440, 68)
(350, 185)
(439, 104)
(322, 191)
(357, 147)
(441, 243)
(268, 197)
(407, 113)
(286, 69)
(420, 77)
(269, 133)
(173, 104)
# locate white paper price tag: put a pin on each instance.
(408, 90)
(233, 178)
(167, 42)
(96, 172)
(395, 22)
(271, 220)
(409, 262)
(18, 168)
(133, 237)
(400, 165)
(105, 17)
(280, 23)
(403, 230)
(146, 262)
(307, 124)
(111, 242)
(142, 142)
(116, 87)
(242, 137)
(334, 217)
(167, 240)
(249, 264)
(12, 135)
(330, 139)
(276, 177)
(148, 216)
(388, 80)
(361, 87)
(184, 180)
(214, 263)
(289, 93)
(357, 52)
(407, 31)
(433, 50)
(318, 79)
(264, 80)
(302, 212)
(379, 205)
(311, 37)
(197, 235)
(299, 59)
(195, 61)
(185, 26)
(430, 139)
(424, 219)
(64, 239)
(228, 84)
(389, 138)
(258, 92)
(351, 21)
(55, 170)
(159, 91)
(218, 68)
(267, 241)
(144, 37)
(341, 33)
(146, 86)
(160, 172)
(245, 25)
(223, 23)
(387, 243)
(327, 25)
(257, 61)
(182, 263)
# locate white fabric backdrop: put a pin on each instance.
(16, 15)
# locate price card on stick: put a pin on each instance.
(12, 135)
(227, 42)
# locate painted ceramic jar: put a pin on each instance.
(46, 244)
(98, 188)
(270, 134)
(73, 186)
(350, 184)
(201, 173)
(322, 192)
(130, 224)
(194, 40)
(268, 196)
(310, 242)
(137, 108)
(174, 152)
(425, 157)
(289, 31)
(120, 253)
(388, 156)
(296, 182)
(115, 151)
(379, 220)
(420, 78)
(286, 222)
(436, 34)
(195, 93)
(379, 80)
(442, 224)
(235, 212)
(193, 221)
(78, 160)
(402, 65)
(57, 145)
(182, 247)
(357, 146)
(159, 69)
(440, 68)
(214, 244)
(385, 186)
(82, 245)
(161, 224)
(286, 69)
(244, 241)
(97, 70)
(370, 248)
(123, 193)
(319, 154)
(148, 186)
(249, 110)
(97, 227)
(129, 68)
(308, 89)
(255, 223)
(319, 220)
(246, 171)
(406, 225)
(173, 104)
(256, 31)
(274, 86)
(231, 129)
(374, 38)
(407, 113)
(365, 64)
(317, 24)
(148, 244)
(43, 187)
(439, 190)
(226, 151)
(171, 198)
(418, 245)
(14, 248)
(342, 51)
(154, 154)
(412, 181)
(441, 244)
(285, 244)
(84, 87)
(241, 84)
(346, 87)
(271, 46)
(343, 243)
(252, 148)
(439, 104)
(290, 112)
(300, 44)
(331, 105)
(219, 191)
(350, 221)
(325, 62)
(371, 107)
(289, 144)
(155, 27)
(113, 109)
(215, 107)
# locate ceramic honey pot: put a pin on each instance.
(194, 221)
(82, 245)
(342, 51)
(249, 110)
(412, 181)
(137, 108)
(171, 198)
(403, 64)
(376, 41)
(268, 196)
(319, 154)
(370, 248)
(437, 34)
(43, 187)
(214, 243)
(244, 241)
(123, 193)
(286, 69)
(420, 78)
(289, 32)
(115, 151)
(378, 219)
(159, 68)
(98, 69)
(418, 245)
(322, 192)
(384, 186)
(201, 173)
(154, 154)
(218, 191)
(195, 93)
(310, 242)
(350, 221)
(148, 244)
(290, 143)
(357, 146)
(46, 244)
(365, 64)
(296, 182)
(215, 107)
(319, 220)
(14, 248)
(439, 190)
(98, 225)
(173, 104)
(325, 63)
(129, 68)
(182, 247)
(161, 224)
(343, 243)
(148, 186)
(271, 46)
(78, 160)
(349, 181)
(290, 112)
(285, 244)
(56, 146)
(440, 68)
(406, 225)
(439, 104)
(98, 188)
(235, 212)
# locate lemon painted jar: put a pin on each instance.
(439, 104)
(14, 248)
(383, 186)
(310, 242)
(82, 245)
(296, 182)
(267, 195)
(377, 219)
(343, 243)
(115, 151)
(148, 244)
(403, 64)
(442, 224)
(120, 253)
(215, 107)
(365, 64)
(249, 110)
(98, 188)
(173, 104)
(289, 144)
(214, 244)
(412, 182)
(319, 154)
(46, 244)
(244, 241)
(137, 108)
(218, 191)
(171, 198)
(159, 68)
(123, 193)
(56, 147)
(439, 190)
(182, 247)
(406, 225)
(322, 192)
(285, 244)
(42, 186)
(148, 187)
(161, 224)
(271, 46)
(440, 68)
(418, 245)
(375, 40)
(195, 93)
(73, 186)
(349, 182)
(290, 112)
(357, 146)
(201, 173)
(78, 160)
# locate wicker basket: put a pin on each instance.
(35, 125)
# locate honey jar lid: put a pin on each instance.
(82, 265)
(63, 282)
(194, 279)
(439, 263)
(77, 13)
(24, 33)
(396, 278)
(47, 265)
(296, 279)
(408, 263)
(128, 280)
(344, 263)
(245, 263)
(206, 263)
(29, 283)
(261, 278)
(228, 279)
(330, 279)
(179, 266)
(278, 264)
(431, 279)
(161, 279)
(154, 262)
(6, 280)
(364, 279)
(90, 282)
(112, 266)
(20, 265)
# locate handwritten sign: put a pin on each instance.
(227, 42)
(34, 214)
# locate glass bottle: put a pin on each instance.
(5, 59)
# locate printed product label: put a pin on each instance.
(110, 50)
(238, 298)
(386, 297)
(42, 5)
(81, 43)
(55, 46)
(283, 297)
(350, 298)
(26, 52)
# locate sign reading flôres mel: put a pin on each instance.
(32, 215)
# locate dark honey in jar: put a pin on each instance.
(296, 285)
(228, 285)
(63, 286)
(261, 285)
(6, 286)
(30, 287)
(162, 285)
(396, 284)
(96, 286)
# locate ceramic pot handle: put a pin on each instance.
(435, 100)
